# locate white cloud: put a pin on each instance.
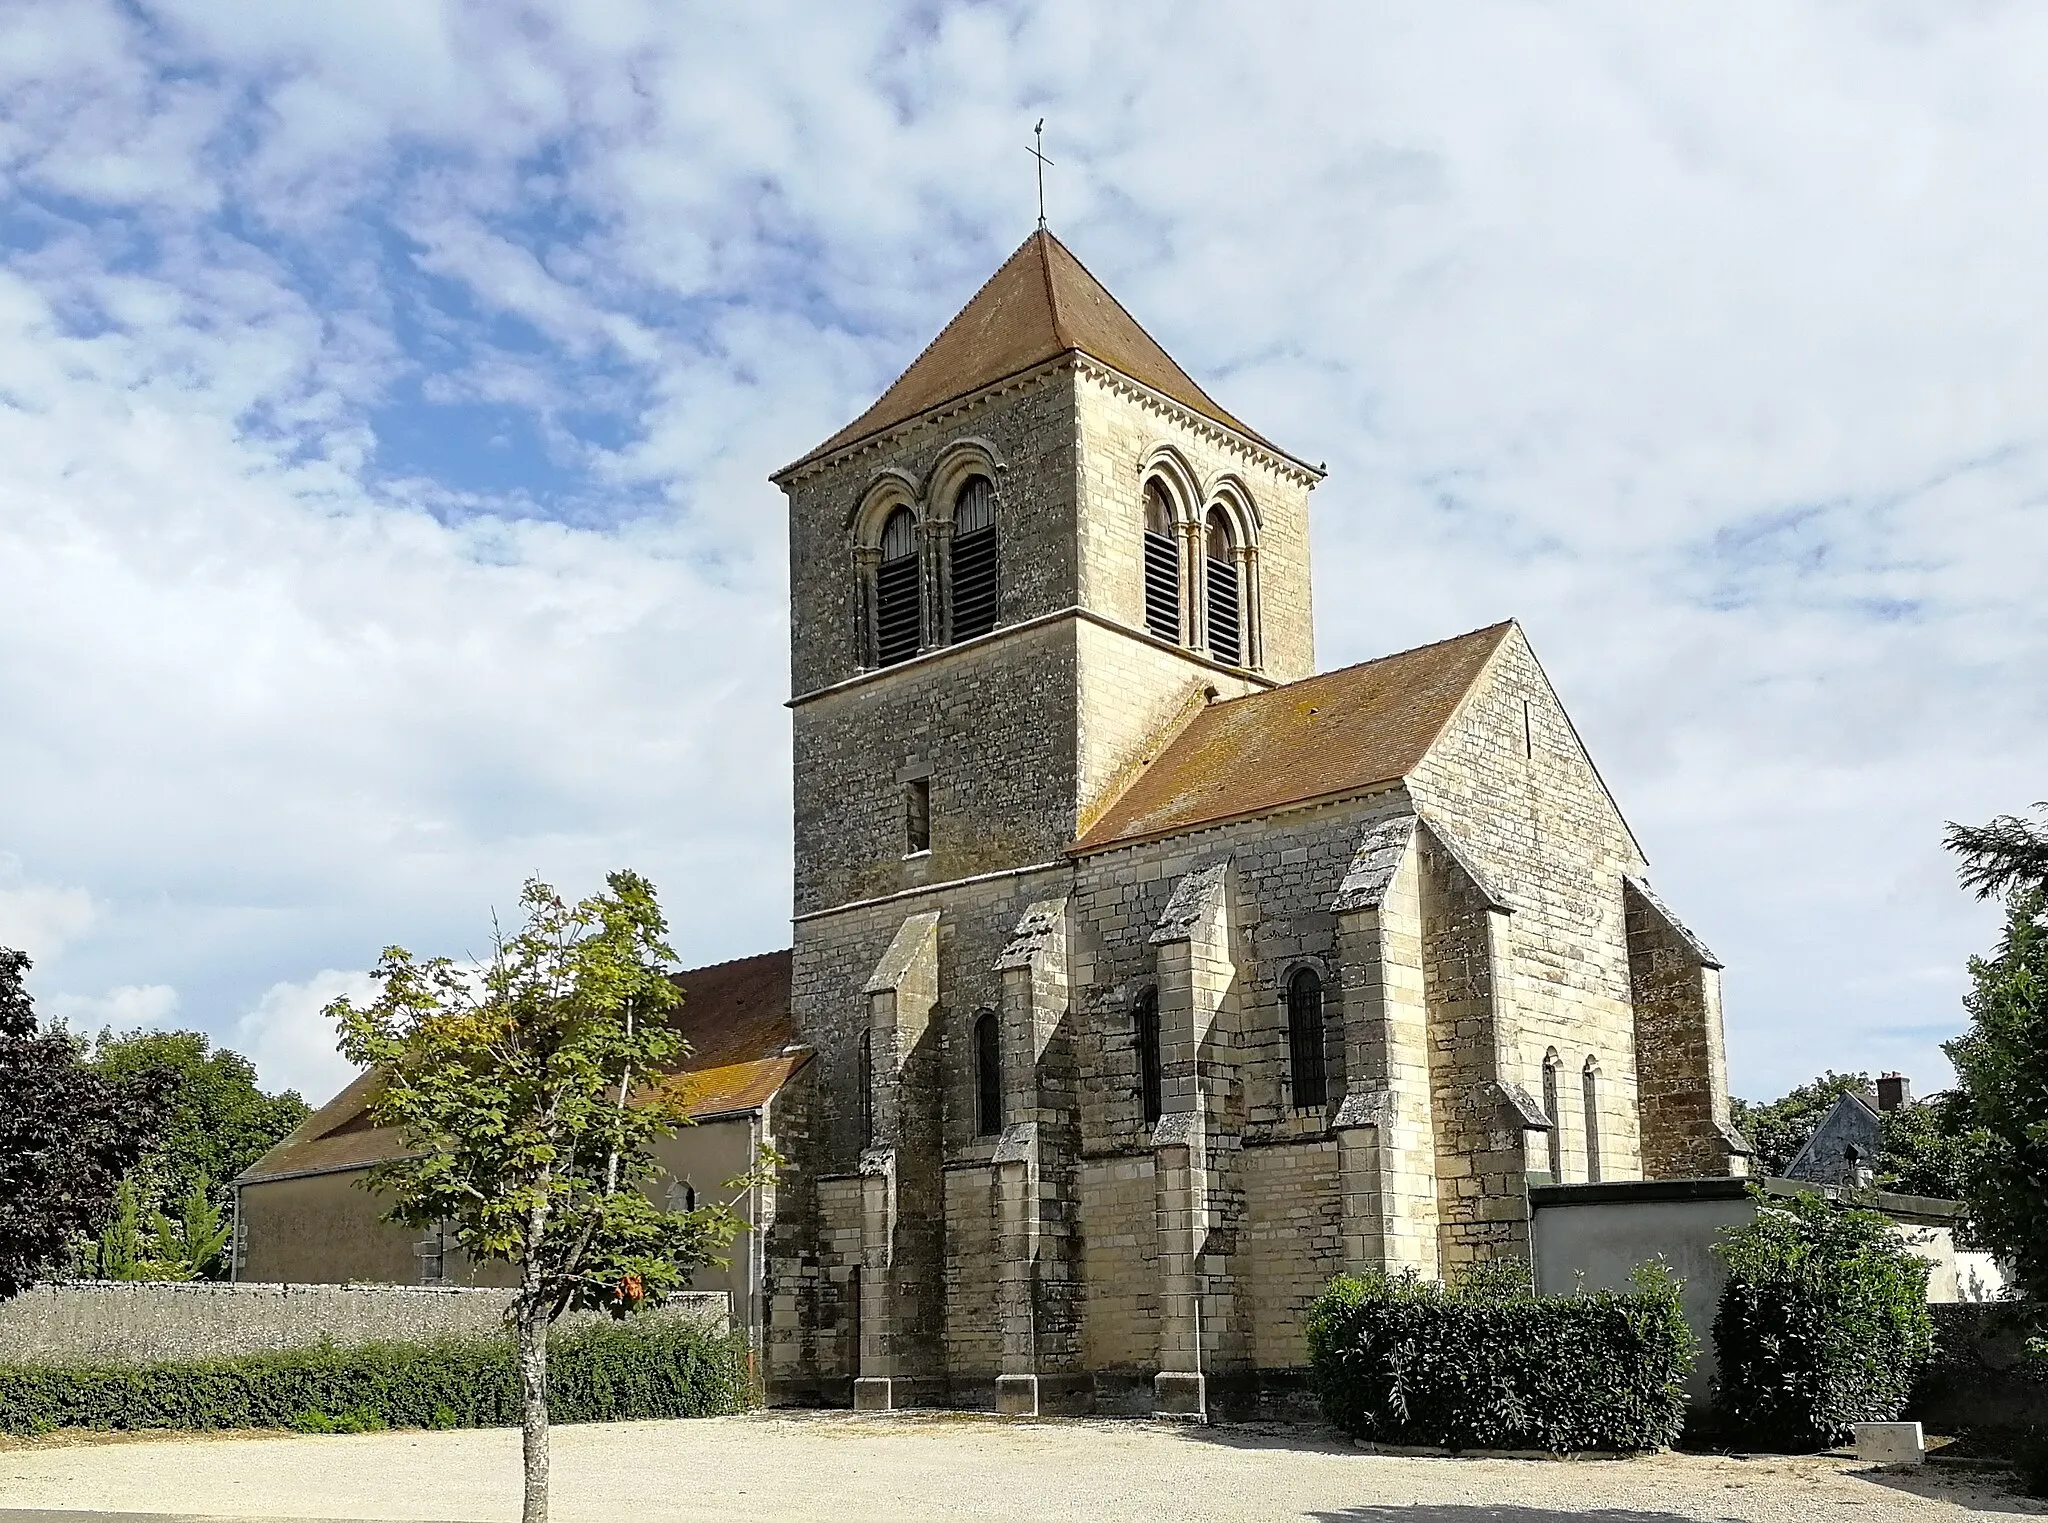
(127, 1008)
(37, 918)
(291, 1044)
(1708, 342)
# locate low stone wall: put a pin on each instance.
(133, 1322)
(1980, 1377)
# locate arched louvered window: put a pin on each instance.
(988, 1074)
(1590, 1085)
(1226, 622)
(974, 559)
(1550, 1109)
(1162, 564)
(1145, 1021)
(1305, 1040)
(899, 595)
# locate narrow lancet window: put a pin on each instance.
(1591, 1084)
(1145, 1020)
(917, 816)
(988, 1074)
(899, 593)
(1305, 1040)
(1226, 625)
(974, 559)
(864, 1075)
(1550, 1109)
(1162, 565)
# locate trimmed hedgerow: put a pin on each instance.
(603, 1373)
(1823, 1324)
(1491, 1365)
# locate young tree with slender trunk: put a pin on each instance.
(529, 1090)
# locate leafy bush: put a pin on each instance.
(2030, 1459)
(1823, 1323)
(1491, 1365)
(604, 1373)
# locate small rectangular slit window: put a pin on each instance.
(917, 816)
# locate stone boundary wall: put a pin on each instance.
(1980, 1377)
(133, 1322)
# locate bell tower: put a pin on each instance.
(1041, 548)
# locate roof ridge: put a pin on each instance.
(1060, 335)
(1392, 655)
(713, 967)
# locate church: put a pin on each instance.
(1143, 977)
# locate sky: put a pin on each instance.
(388, 393)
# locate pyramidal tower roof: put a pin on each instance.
(1041, 304)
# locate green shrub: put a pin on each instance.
(1493, 1366)
(1823, 1324)
(609, 1372)
(2030, 1460)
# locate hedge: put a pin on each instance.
(1823, 1324)
(602, 1373)
(1494, 1366)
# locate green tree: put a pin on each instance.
(2002, 1062)
(1924, 1150)
(148, 1245)
(510, 1083)
(67, 1136)
(220, 1120)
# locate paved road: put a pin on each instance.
(911, 1469)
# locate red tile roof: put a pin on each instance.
(735, 1016)
(1336, 733)
(1041, 304)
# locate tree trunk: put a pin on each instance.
(533, 1403)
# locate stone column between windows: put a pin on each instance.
(1385, 1138)
(1195, 973)
(1033, 968)
(1250, 616)
(1195, 586)
(900, 1208)
(935, 545)
(867, 564)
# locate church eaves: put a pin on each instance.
(1040, 305)
(1325, 736)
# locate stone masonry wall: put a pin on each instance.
(1521, 796)
(136, 1322)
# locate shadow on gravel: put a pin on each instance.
(1986, 1490)
(1432, 1512)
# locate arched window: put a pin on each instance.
(988, 1074)
(1305, 1040)
(1162, 564)
(682, 1196)
(974, 559)
(1226, 622)
(899, 593)
(1551, 1065)
(865, 1074)
(1145, 1020)
(1590, 1083)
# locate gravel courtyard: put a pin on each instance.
(891, 1470)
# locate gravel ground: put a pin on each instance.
(906, 1468)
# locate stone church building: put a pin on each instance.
(1154, 977)
(1143, 977)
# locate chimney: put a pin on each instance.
(1894, 1092)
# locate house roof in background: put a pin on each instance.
(742, 1050)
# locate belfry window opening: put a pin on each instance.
(1220, 579)
(1162, 564)
(974, 559)
(899, 592)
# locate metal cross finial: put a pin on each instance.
(1037, 151)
